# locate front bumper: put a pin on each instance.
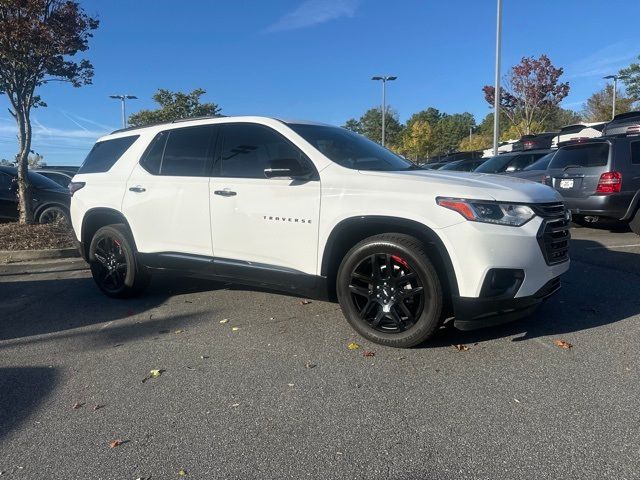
(473, 313)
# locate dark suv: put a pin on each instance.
(511, 162)
(599, 177)
(623, 124)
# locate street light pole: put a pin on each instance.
(123, 99)
(384, 80)
(615, 79)
(496, 104)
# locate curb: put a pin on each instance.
(14, 256)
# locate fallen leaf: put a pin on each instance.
(115, 443)
(190, 368)
(234, 329)
(77, 405)
(224, 320)
(368, 354)
(182, 472)
(305, 302)
(562, 344)
(153, 374)
(235, 405)
(97, 407)
(290, 384)
(353, 346)
(309, 365)
(178, 331)
(460, 347)
(516, 400)
(204, 357)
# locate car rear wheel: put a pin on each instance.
(54, 215)
(113, 263)
(389, 291)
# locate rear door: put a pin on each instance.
(167, 196)
(575, 170)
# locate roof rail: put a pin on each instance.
(188, 119)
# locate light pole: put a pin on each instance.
(123, 99)
(496, 104)
(384, 80)
(615, 90)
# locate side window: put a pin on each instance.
(187, 152)
(635, 152)
(152, 158)
(248, 149)
(5, 182)
(520, 162)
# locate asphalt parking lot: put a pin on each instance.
(275, 392)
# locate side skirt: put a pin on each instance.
(240, 272)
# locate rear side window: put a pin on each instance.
(635, 152)
(587, 155)
(249, 148)
(105, 154)
(181, 152)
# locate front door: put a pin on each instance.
(263, 227)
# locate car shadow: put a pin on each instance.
(22, 390)
(602, 287)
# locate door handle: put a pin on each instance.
(225, 193)
(137, 189)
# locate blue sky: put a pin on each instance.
(313, 59)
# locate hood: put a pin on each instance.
(479, 186)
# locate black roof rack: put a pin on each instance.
(622, 116)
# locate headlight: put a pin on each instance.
(511, 214)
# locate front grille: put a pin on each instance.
(553, 236)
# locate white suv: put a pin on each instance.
(321, 212)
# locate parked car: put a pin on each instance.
(503, 147)
(623, 124)
(61, 178)
(433, 166)
(600, 178)
(534, 142)
(536, 171)
(50, 201)
(511, 162)
(238, 199)
(577, 131)
(463, 165)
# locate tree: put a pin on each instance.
(36, 160)
(475, 142)
(38, 39)
(450, 131)
(598, 107)
(631, 78)
(531, 90)
(486, 126)
(174, 106)
(370, 125)
(416, 140)
(560, 117)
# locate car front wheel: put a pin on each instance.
(113, 263)
(389, 291)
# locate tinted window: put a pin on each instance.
(105, 154)
(5, 181)
(586, 155)
(351, 150)
(494, 164)
(248, 149)
(153, 156)
(635, 152)
(186, 153)
(522, 161)
(541, 163)
(571, 129)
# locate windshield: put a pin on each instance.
(494, 164)
(541, 163)
(351, 150)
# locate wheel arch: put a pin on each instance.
(42, 207)
(96, 218)
(352, 230)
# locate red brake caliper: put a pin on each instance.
(399, 260)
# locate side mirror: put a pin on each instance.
(286, 168)
(511, 169)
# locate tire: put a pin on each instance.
(54, 214)
(411, 290)
(115, 269)
(634, 224)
